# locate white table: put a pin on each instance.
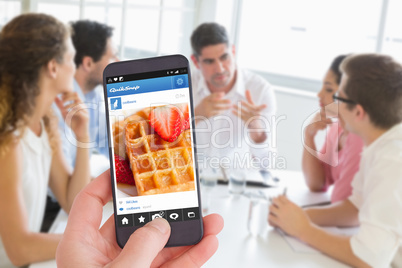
(237, 248)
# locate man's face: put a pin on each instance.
(109, 56)
(217, 65)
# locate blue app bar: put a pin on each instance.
(147, 85)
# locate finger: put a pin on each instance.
(213, 224)
(323, 114)
(273, 220)
(217, 95)
(220, 106)
(144, 245)
(274, 209)
(248, 97)
(60, 106)
(71, 96)
(90, 201)
(276, 202)
(108, 229)
(197, 255)
(70, 106)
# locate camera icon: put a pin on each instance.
(157, 215)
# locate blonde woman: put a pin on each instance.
(36, 65)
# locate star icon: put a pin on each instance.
(141, 219)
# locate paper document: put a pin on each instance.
(301, 247)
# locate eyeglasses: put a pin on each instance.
(336, 98)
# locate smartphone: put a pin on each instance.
(152, 147)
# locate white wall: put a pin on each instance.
(297, 106)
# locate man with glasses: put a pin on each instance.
(370, 103)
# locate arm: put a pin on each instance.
(22, 246)
(312, 166)
(341, 214)
(335, 246)
(65, 184)
(295, 222)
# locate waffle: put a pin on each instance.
(158, 166)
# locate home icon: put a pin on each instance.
(124, 221)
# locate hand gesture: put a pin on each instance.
(85, 245)
(75, 114)
(319, 122)
(248, 109)
(213, 105)
(286, 215)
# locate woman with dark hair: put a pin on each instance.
(36, 65)
(338, 161)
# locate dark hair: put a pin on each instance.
(208, 34)
(335, 67)
(90, 39)
(27, 44)
(375, 82)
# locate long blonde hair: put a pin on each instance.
(27, 43)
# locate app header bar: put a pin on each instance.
(147, 85)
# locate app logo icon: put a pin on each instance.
(124, 221)
(115, 79)
(191, 214)
(121, 79)
(121, 209)
(115, 103)
(141, 219)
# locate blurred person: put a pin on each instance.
(370, 104)
(85, 245)
(94, 51)
(233, 107)
(36, 65)
(338, 161)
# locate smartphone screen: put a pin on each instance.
(153, 160)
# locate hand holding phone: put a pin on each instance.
(153, 158)
(83, 237)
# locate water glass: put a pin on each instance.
(209, 178)
(237, 181)
(257, 217)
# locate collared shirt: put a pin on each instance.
(340, 166)
(377, 193)
(225, 135)
(97, 126)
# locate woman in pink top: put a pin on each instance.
(338, 160)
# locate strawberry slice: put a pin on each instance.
(167, 121)
(123, 171)
(186, 115)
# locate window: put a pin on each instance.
(298, 39)
(392, 43)
(142, 28)
(8, 10)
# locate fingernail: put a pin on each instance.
(161, 224)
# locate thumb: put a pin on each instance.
(144, 245)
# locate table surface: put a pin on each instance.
(237, 247)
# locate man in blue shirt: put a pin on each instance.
(94, 51)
